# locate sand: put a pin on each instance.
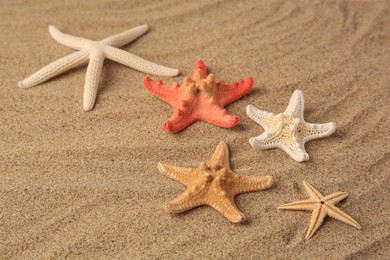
(85, 184)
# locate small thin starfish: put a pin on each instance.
(288, 131)
(213, 184)
(199, 98)
(320, 207)
(95, 52)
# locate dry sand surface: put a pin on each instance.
(85, 184)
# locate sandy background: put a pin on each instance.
(85, 184)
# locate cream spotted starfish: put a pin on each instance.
(213, 184)
(288, 131)
(320, 207)
(95, 52)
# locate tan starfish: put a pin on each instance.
(213, 184)
(288, 130)
(95, 52)
(320, 207)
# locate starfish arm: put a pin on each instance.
(313, 193)
(187, 200)
(138, 63)
(234, 91)
(219, 116)
(180, 174)
(268, 141)
(71, 41)
(92, 79)
(243, 184)
(220, 157)
(336, 213)
(200, 68)
(123, 38)
(263, 141)
(299, 205)
(227, 207)
(262, 118)
(335, 197)
(178, 121)
(296, 150)
(317, 217)
(164, 92)
(315, 131)
(55, 68)
(296, 106)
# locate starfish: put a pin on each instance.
(320, 207)
(199, 98)
(213, 184)
(95, 52)
(288, 131)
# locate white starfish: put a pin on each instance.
(288, 131)
(95, 52)
(321, 206)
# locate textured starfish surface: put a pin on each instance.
(288, 130)
(320, 206)
(214, 184)
(199, 98)
(95, 52)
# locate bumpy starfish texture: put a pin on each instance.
(95, 52)
(288, 131)
(320, 206)
(213, 184)
(199, 98)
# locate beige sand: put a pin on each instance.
(85, 184)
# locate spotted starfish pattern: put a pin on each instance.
(288, 130)
(320, 206)
(213, 184)
(95, 52)
(199, 98)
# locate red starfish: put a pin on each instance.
(199, 98)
